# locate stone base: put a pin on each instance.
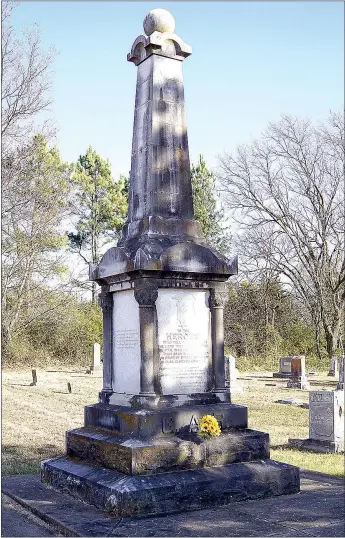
(282, 375)
(314, 445)
(300, 382)
(123, 495)
(146, 423)
(172, 453)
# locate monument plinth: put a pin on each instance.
(163, 290)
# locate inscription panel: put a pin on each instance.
(183, 340)
(126, 342)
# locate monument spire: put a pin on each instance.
(160, 169)
(161, 233)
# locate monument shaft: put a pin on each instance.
(160, 171)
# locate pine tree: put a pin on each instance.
(100, 205)
(205, 201)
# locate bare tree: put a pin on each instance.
(287, 193)
(26, 79)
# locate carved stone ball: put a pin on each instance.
(158, 20)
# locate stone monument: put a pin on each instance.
(231, 371)
(340, 385)
(96, 357)
(284, 367)
(298, 379)
(333, 370)
(163, 290)
(326, 422)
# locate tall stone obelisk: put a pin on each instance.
(162, 293)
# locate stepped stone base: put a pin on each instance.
(314, 445)
(147, 423)
(122, 495)
(158, 455)
(283, 375)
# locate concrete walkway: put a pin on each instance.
(31, 509)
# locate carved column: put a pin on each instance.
(105, 301)
(218, 298)
(146, 296)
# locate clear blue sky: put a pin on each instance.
(251, 62)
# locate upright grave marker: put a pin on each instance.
(162, 294)
(298, 379)
(326, 422)
(96, 357)
(333, 370)
(340, 385)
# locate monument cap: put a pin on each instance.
(158, 20)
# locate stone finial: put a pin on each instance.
(158, 20)
(160, 39)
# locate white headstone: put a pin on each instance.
(231, 372)
(340, 385)
(184, 340)
(126, 343)
(96, 356)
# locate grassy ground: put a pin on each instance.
(283, 421)
(34, 419)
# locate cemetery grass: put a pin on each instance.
(35, 419)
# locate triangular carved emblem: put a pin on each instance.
(194, 424)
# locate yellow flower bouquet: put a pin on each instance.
(209, 427)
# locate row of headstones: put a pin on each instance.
(293, 368)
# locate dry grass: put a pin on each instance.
(34, 419)
(284, 421)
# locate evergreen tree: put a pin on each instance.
(206, 212)
(100, 205)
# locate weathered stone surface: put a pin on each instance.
(326, 418)
(318, 511)
(184, 341)
(326, 423)
(145, 423)
(157, 455)
(314, 445)
(122, 495)
(126, 345)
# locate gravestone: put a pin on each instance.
(326, 422)
(96, 357)
(34, 378)
(163, 291)
(340, 385)
(298, 379)
(333, 367)
(231, 371)
(284, 367)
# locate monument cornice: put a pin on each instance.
(167, 44)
